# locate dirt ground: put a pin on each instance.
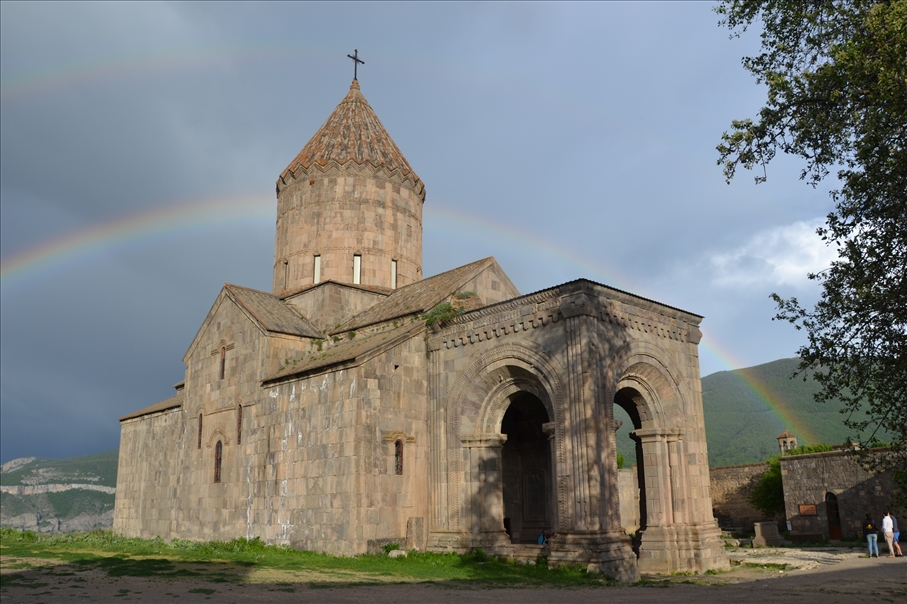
(823, 575)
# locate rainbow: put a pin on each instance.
(130, 229)
(457, 222)
(19, 86)
(190, 216)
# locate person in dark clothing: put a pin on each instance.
(871, 532)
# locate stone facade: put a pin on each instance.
(731, 489)
(832, 490)
(332, 416)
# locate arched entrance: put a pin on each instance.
(834, 517)
(627, 399)
(526, 470)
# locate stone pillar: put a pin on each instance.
(588, 534)
(550, 429)
(483, 493)
(658, 549)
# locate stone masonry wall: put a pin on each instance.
(808, 478)
(731, 487)
(345, 210)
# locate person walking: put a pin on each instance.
(898, 552)
(872, 535)
(888, 533)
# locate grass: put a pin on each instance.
(243, 561)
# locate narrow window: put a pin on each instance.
(286, 274)
(239, 425)
(357, 269)
(317, 269)
(393, 274)
(199, 430)
(218, 460)
(398, 458)
(223, 362)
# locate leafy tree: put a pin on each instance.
(836, 73)
(768, 494)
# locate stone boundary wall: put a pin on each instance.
(730, 487)
(53, 488)
(808, 479)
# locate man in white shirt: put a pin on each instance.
(888, 532)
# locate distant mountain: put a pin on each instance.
(741, 427)
(59, 495)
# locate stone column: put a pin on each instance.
(483, 493)
(550, 429)
(658, 550)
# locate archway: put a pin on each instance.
(526, 469)
(629, 399)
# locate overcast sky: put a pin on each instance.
(141, 143)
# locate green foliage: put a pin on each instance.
(806, 449)
(837, 97)
(768, 494)
(621, 461)
(232, 561)
(465, 295)
(389, 547)
(440, 313)
(351, 334)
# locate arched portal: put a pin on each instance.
(526, 469)
(629, 399)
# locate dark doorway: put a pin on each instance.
(526, 464)
(628, 400)
(834, 517)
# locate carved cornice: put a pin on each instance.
(552, 306)
(351, 167)
(482, 441)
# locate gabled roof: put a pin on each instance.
(418, 297)
(786, 434)
(170, 403)
(273, 314)
(350, 351)
(374, 289)
(352, 133)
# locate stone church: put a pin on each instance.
(359, 404)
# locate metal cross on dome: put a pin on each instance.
(356, 62)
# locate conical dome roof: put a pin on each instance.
(353, 133)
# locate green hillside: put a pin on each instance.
(99, 469)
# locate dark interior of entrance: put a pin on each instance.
(628, 399)
(527, 477)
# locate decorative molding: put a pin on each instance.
(517, 315)
(222, 344)
(482, 441)
(214, 437)
(398, 435)
(351, 167)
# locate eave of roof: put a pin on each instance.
(171, 403)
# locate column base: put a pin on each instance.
(606, 552)
(684, 548)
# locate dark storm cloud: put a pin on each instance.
(589, 129)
